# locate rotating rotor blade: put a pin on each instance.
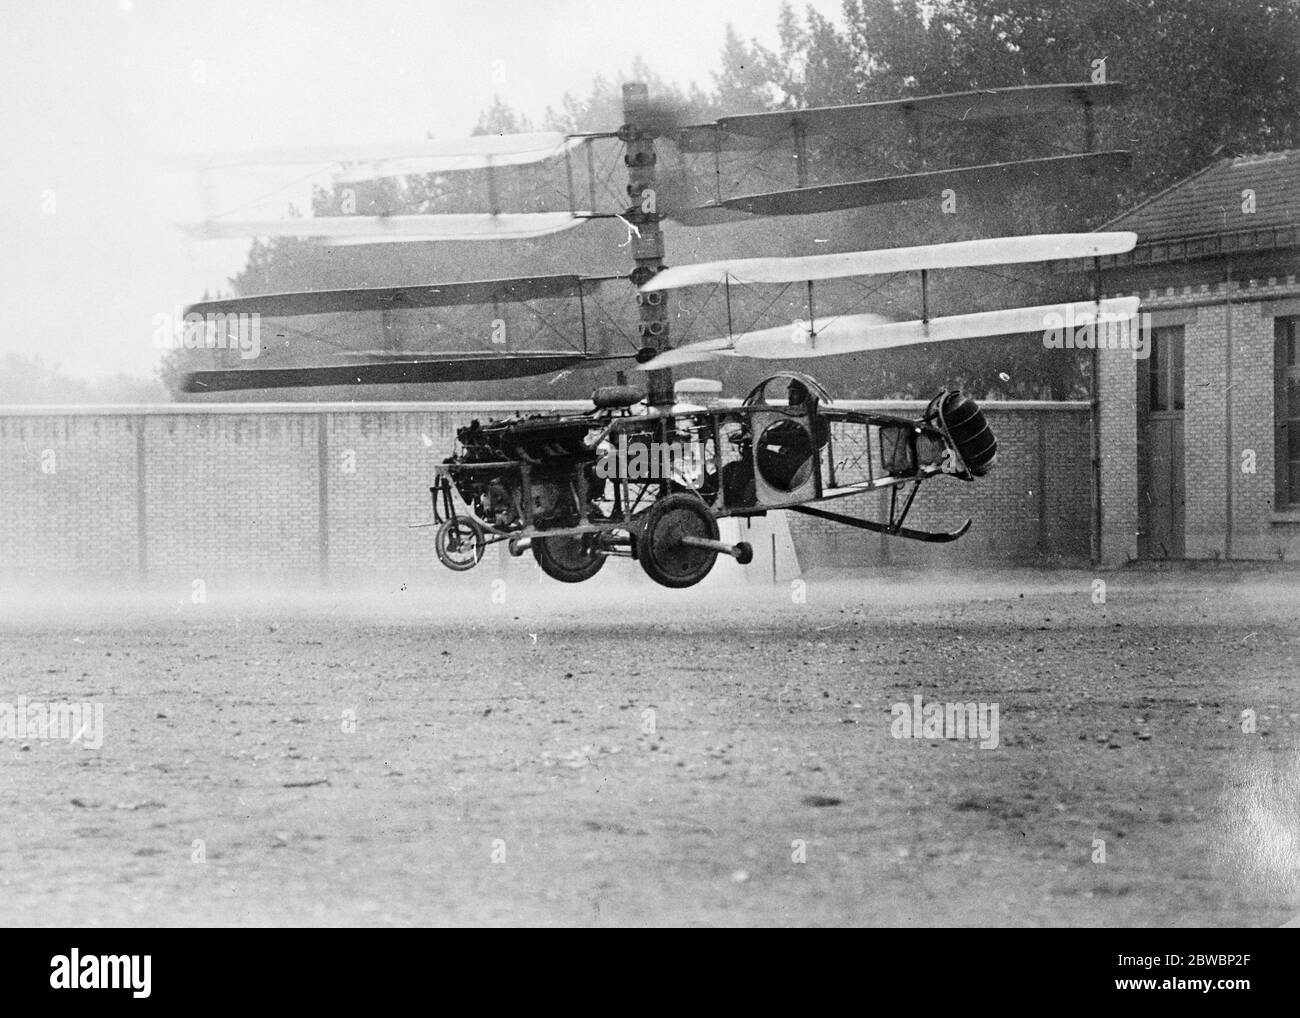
(411, 156)
(983, 104)
(714, 349)
(741, 132)
(480, 152)
(689, 353)
(863, 193)
(865, 333)
(703, 138)
(961, 254)
(452, 368)
(708, 215)
(348, 230)
(393, 298)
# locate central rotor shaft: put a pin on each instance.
(647, 240)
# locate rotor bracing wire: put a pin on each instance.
(766, 308)
(548, 324)
(261, 198)
(686, 328)
(993, 126)
(613, 321)
(601, 177)
(868, 293)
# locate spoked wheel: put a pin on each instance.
(460, 544)
(568, 559)
(663, 555)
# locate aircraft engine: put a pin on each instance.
(963, 422)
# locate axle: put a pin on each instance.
(742, 552)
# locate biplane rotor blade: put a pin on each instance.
(714, 349)
(451, 368)
(496, 151)
(754, 130)
(906, 187)
(348, 230)
(390, 355)
(866, 333)
(708, 138)
(366, 162)
(708, 215)
(883, 261)
(688, 353)
(393, 298)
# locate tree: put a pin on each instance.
(30, 380)
(752, 77)
(501, 119)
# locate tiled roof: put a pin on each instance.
(1211, 201)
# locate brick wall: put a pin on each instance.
(68, 494)
(297, 491)
(1117, 450)
(236, 492)
(1033, 506)
(1229, 410)
(1205, 431)
(1254, 533)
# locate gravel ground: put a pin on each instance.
(616, 753)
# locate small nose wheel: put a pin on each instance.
(459, 544)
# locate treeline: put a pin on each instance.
(28, 379)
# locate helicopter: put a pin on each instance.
(638, 475)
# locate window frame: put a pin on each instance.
(1167, 374)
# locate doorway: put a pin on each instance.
(1161, 492)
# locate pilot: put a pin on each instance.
(802, 402)
(798, 396)
(738, 475)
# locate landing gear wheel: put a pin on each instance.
(459, 544)
(568, 559)
(660, 550)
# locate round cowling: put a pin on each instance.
(969, 430)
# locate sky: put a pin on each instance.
(101, 101)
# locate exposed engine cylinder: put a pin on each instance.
(964, 422)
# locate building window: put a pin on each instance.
(1166, 368)
(1287, 402)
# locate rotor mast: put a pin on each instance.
(647, 240)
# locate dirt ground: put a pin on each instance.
(616, 753)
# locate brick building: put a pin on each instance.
(1199, 442)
